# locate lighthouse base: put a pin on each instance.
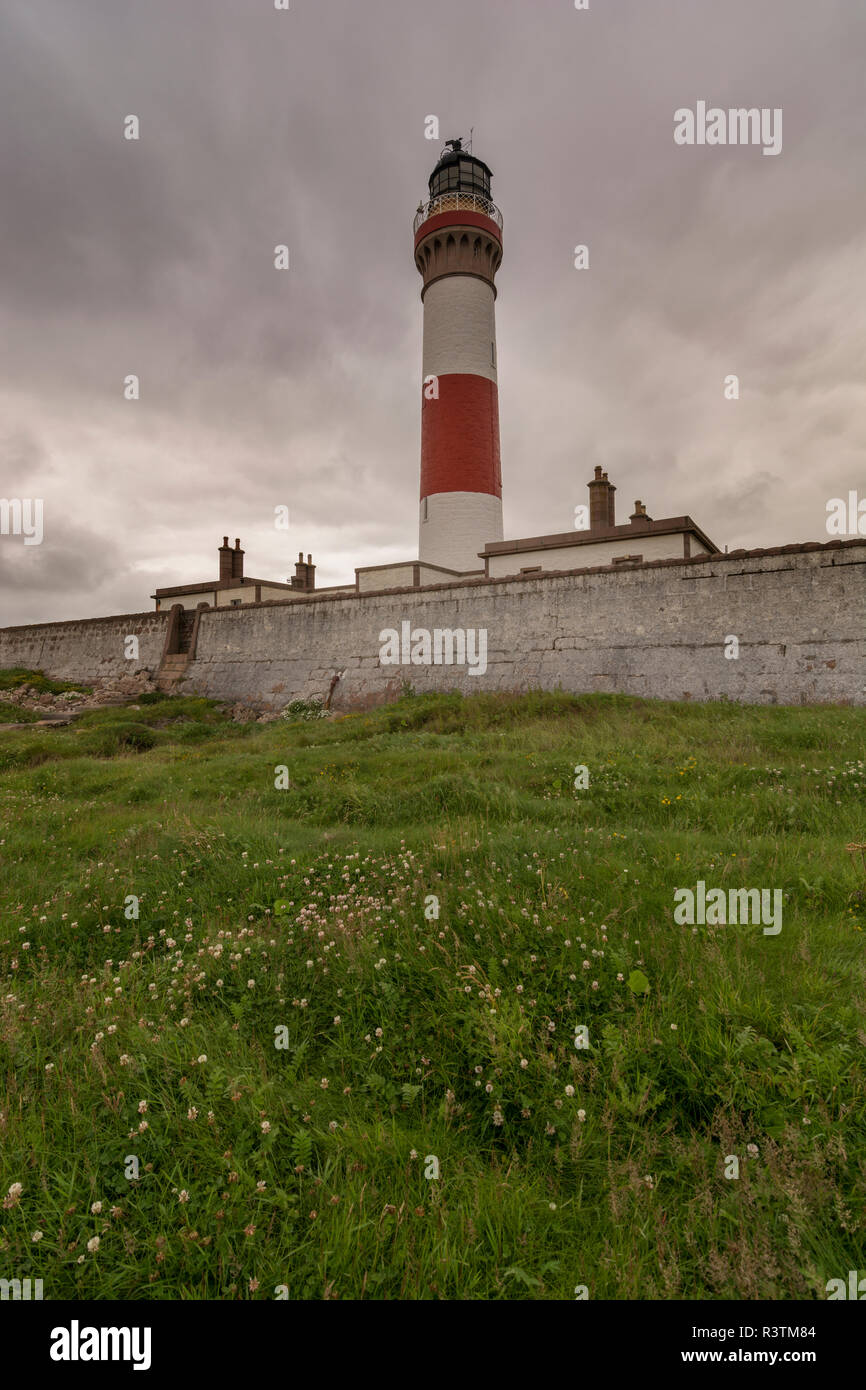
(455, 526)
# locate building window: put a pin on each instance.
(236, 603)
(424, 510)
(532, 569)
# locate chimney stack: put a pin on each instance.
(237, 561)
(639, 516)
(601, 503)
(225, 553)
(304, 577)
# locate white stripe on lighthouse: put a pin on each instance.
(457, 526)
(459, 327)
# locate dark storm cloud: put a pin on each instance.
(301, 388)
(68, 553)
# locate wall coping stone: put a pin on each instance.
(106, 618)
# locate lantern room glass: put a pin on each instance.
(460, 173)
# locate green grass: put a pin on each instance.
(550, 900)
(14, 676)
(16, 714)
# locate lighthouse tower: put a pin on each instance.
(458, 248)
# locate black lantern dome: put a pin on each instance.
(458, 171)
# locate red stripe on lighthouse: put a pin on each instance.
(460, 437)
(457, 219)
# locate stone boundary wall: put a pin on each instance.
(86, 649)
(656, 629)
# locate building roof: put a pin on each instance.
(673, 525)
(217, 584)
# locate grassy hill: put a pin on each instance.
(335, 989)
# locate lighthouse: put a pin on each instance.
(458, 249)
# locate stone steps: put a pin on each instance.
(172, 669)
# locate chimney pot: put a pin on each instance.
(237, 561)
(225, 554)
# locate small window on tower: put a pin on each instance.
(493, 354)
(424, 510)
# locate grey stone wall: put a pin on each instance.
(86, 649)
(798, 612)
(656, 630)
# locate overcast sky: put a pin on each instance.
(262, 388)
